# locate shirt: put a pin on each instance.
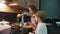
(41, 28)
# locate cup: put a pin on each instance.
(25, 24)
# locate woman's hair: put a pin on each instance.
(41, 15)
(33, 7)
(26, 10)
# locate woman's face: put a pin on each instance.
(30, 10)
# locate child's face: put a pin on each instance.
(36, 18)
(33, 20)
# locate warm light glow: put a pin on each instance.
(5, 8)
(2, 5)
(13, 4)
(3, 1)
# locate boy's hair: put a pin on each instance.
(41, 15)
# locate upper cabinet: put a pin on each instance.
(25, 3)
(34, 2)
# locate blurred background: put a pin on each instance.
(10, 8)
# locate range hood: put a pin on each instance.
(12, 7)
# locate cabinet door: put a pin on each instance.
(34, 2)
(21, 2)
(26, 3)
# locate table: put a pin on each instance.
(22, 29)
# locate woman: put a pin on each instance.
(41, 27)
(33, 10)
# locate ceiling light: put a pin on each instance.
(6, 1)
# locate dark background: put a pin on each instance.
(8, 16)
(52, 14)
(51, 8)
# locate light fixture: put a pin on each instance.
(6, 1)
(3, 1)
(13, 4)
